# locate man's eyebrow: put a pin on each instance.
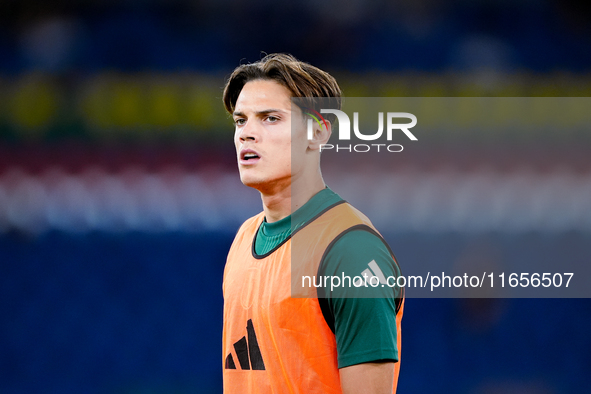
(263, 112)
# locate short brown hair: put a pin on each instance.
(300, 78)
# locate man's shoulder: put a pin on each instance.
(357, 246)
(250, 225)
(359, 214)
(253, 219)
(359, 241)
(345, 214)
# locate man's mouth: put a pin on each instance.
(248, 156)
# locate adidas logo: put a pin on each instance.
(247, 351)
(373, 271)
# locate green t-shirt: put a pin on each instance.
(365, 328)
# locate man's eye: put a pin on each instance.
(240, 121)
(272, 118)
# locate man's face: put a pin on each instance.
(263, 135)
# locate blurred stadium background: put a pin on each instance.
(119, 195)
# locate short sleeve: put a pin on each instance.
(363, 307)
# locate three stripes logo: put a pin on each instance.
(369, 274)
(247, 351)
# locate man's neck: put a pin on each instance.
(283, 202)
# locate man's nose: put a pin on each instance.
(250, 131)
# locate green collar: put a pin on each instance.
(271, 235)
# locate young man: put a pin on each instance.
(274, 342)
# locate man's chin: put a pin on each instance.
(252, 181)
(266, 185)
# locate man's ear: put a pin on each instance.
(321, 135)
